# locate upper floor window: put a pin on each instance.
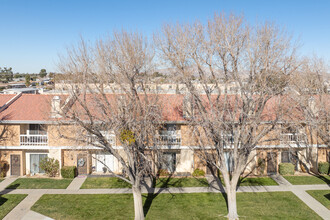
(109, 136)
(37, 129)
(169, 135)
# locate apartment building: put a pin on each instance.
(30, 132)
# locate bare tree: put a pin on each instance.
(108, 93)
(240, 74)
(310, 96)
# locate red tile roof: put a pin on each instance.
(37, 107)
(28, 107)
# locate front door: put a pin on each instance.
(102, 159)
(271, 162)
(82, 164)
(15, 165)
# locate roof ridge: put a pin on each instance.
(11, 101)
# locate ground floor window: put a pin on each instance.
(229, 161)
(169, 161)
(35, 163)
(290, 157)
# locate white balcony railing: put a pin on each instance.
(33, 140)
(290, 138)
(168, 139)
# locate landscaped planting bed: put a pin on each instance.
(323, 196)
(308, 180)
(270, 205)
(8, 202)
(40, 183)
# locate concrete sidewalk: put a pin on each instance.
(315, 205)
(23, 207)
(76, 183)
(6, 182)
(31, 215)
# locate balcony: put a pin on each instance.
(164, 139)
(292, 138)
(34, 138)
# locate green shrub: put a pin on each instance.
(4, 167)
(69, 172)
(324, 167)
(163, 172)
(261, 166)
(197, 172)
(50, 166)
(286, 169)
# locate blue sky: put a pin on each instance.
(35, 32)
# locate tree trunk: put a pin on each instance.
(231, 199)
(138, 206)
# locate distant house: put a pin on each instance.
(21, 90)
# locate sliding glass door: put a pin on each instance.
(35, 163)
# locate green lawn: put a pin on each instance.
(308, 180)
(39, 183)
(8, 202)
(181, 182)
(104, 183)
(1, 180)
(323, 196)
(255, 181)
(258, 181)
(270, 205)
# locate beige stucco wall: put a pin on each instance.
(185, 161)
(63, 135)
(5, 156)
(322, 154)
(11, 135)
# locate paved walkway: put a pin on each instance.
(22, 210)
(7, 182)
(77, 183)
(31, 215)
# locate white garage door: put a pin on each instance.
(106, 159)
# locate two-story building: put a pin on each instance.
(30, 132)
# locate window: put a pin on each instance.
(35, 163)
(37, 129)
(229, 161)
(109, 135)
(169, 135)
(168, 161)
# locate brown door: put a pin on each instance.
(271, 162)
(82, 164)
(15, 165)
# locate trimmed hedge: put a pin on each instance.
(324, 167)
(286, 168)
(69, 172)
(197, 172)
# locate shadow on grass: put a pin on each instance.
(13, 186)
(6, 191)
(216, 176)
(2, 200)
(321, 177)
(327, 196)
(152, 194)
